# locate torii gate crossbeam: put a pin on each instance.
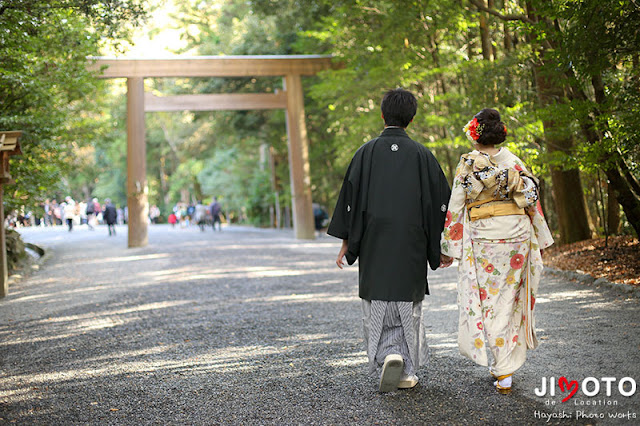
(290, 67)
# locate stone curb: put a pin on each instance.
(587, 279)
(34, 265)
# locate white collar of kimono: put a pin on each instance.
(499, 156)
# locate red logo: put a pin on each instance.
(571, 387)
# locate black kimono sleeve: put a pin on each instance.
(346, 221)
(339, 226)
(435, 198)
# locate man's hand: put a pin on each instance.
(445, 261)
(342, 253)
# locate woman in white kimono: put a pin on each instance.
(496, 230)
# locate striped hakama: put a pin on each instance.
(394, 328)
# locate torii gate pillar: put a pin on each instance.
(138, 206)
(303, 222)
(290, 67)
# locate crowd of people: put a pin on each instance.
(70, 213)
(184, 215)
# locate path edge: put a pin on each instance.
(589, 280)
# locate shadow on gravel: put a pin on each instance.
(246, 329)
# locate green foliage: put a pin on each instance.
(588, 50)
(239, 182)
(434, 50)
(185, 150)
(46, 89)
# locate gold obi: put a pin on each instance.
(491, 207)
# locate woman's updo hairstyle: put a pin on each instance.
(491, 130)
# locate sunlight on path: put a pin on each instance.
(103, 327)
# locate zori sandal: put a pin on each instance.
(503, 384)
(407, 382)
(391, 372)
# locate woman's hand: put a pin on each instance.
(342, 253)
(445, 261)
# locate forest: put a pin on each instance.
(564, 75)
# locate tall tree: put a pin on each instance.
(570, 39)
(44, 84)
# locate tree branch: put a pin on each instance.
(509, 17)
(372, 9)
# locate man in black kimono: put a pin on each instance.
(110, 216)
(390, 214)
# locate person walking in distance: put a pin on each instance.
(200, 215)
(90, 211)
(110, 216)
(172, 219)
(215, 210)
(69, 212)
(390, 213)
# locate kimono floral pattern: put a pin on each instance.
(499, 269)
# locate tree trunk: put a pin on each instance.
(508, 41)
(613, 212)
(443, 90)
(543, 197)
(494, 47)
(451, 166)
(625, 196)
(596, 203)
(566, 184)
(86, 191)
(631, 179)
(164, 185)
(197, 189)
(624, 185)
(569, 205)
(485, 38)
(184, 195)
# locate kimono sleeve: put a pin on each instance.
(451, 241)
(347, 222)
(540, 227)
(341, 219)
(434, 208)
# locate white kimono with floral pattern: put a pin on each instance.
(499, 270)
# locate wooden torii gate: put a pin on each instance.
(290, 67)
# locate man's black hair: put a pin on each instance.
(398, 107)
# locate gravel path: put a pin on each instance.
(254, 327)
